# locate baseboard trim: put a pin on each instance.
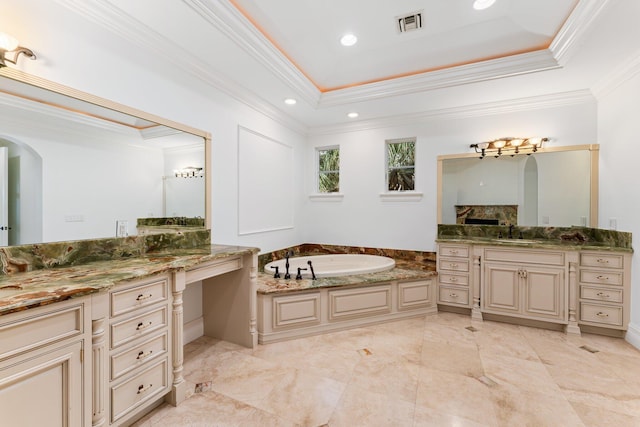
(193, 330)
(633, 335)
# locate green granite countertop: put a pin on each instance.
(21, 291)
(535, 243)
(404, 271)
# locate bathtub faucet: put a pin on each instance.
(313, 274)
(286, 264)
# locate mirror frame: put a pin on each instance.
(594, 150)
(39, 82)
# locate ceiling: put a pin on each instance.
(452, 33)
(261, 52)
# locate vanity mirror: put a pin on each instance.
(556, 186)
(76, 165)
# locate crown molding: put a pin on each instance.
(123, 25)
(25, 108)
(620, 75)
(464, 74)
(227, 19)
(463, 112)
(578, 23)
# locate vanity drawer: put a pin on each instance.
(453, 279)
(601, 260)
(456, 296)
(453, 251)
(147, 385)
(601, 277)
(601, 294)
(527, 256)
(128, 360)
(598, 313)
(146, 294)
(138, 326)
(39, 327)
(448, 264)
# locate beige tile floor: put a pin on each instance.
(438, 370)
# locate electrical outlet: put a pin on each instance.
(613, 223)
(545, 219)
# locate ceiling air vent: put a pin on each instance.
(410, 22)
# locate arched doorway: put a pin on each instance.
(24, 192)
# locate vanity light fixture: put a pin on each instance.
(511, 146)
(9, 45)
(189, 172)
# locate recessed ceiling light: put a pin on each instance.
(290, 101)
(352, 115)
(348, 40)
(483, 4)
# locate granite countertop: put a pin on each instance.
(21, 291)
(402, 271)
(535, 243)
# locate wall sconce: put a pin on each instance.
(9, 45)
(189, 172)
(510, 146)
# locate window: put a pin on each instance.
(401, 154)
(328, 170)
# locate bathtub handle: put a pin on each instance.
(276, 275)
(299, 275)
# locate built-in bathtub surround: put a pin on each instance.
(584, 236)
(404, 258)
(502, 214)
(24, 258)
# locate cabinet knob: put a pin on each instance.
(453, 295)
(452, 265)
(454, 251)
(601, 314)
(453, 279)
(602, 261)
(603, 295)
(142, 297)
(603, 278)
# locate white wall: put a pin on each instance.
(618, 129)
(362, 218)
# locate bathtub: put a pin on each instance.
(333, 265)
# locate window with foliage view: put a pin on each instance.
(328, 170)
(401, 154)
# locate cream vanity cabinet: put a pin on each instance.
(44, 373)
(138, 365)
(604, 280)
(454, 275)
(524, 283)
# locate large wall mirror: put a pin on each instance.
(73, 166)
(556, 186)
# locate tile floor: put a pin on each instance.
(438, 370)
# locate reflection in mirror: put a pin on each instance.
(76, 169)
(554, 187)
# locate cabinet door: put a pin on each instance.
(543, 296)
(501, 288)
(43, 388)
